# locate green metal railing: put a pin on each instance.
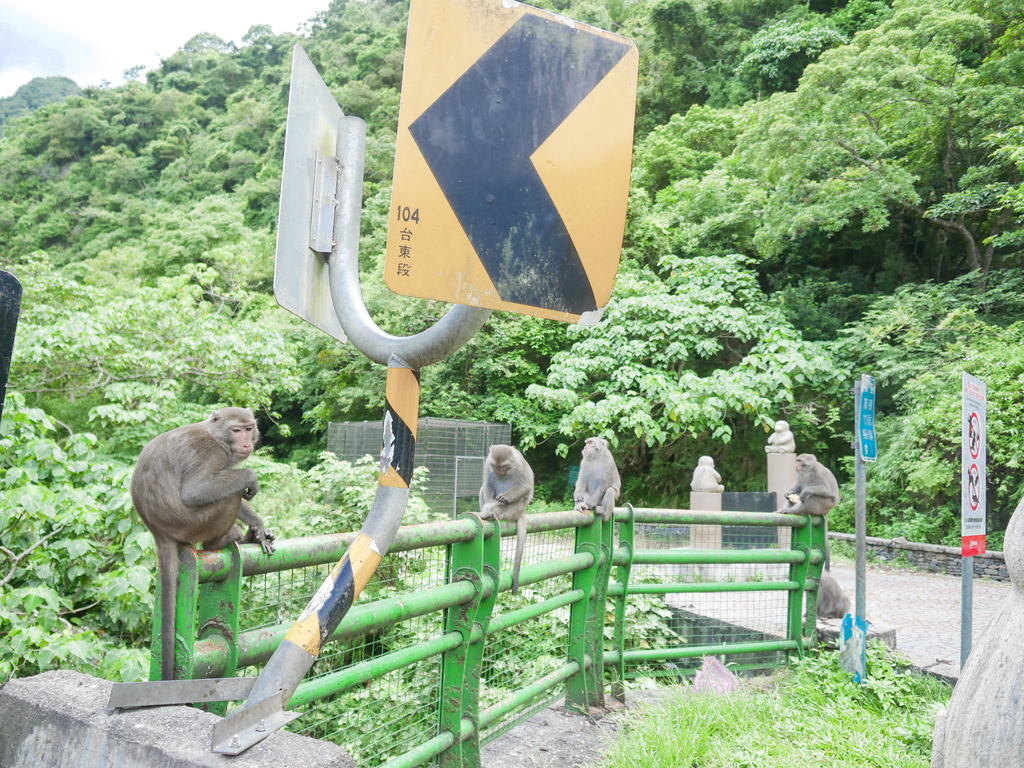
(453, 641)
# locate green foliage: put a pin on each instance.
(132, 365)
(918, 342)
(814, 715)
(36, 93)
(702, 355)
(75, 584)
(778, 54)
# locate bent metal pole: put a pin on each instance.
(404, 356)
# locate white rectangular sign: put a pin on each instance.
(973, 457)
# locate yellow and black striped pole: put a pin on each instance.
(304, 641)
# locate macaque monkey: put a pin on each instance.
(832, 601)
(507, 489)
(816, 490)
(186, 491)
(598, 484)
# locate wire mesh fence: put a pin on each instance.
(391, 713)
(702, 618)
(452, 450)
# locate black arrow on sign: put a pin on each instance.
(478, 137)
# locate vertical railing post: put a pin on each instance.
(467, 564)
(184, 620)
(475, 655)
(626, 534)
(814, 569)
(588, 539)
(798, 572)
(220, 604)
(596, 618)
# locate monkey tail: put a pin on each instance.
(167, 561)
(520, 545)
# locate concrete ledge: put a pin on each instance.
(829, 629)
(60, 720)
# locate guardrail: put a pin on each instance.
(459, 660)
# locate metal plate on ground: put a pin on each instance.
(236, 733)
(165, 692)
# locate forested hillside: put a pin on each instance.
(820, 189)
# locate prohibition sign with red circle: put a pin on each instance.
(974, 434)
(974, 486)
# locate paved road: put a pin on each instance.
(924, 609)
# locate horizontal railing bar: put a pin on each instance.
(717, 556)
(510, 619)
(549, 569)
(335, 682)
(647, 515)
(256, 646)
(425, 752)
(615, 590)
(307, 551)
(326, 549)
(659, 654)
(523, 695)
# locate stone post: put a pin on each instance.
(706, 496)
(781, 450)
(782, 477)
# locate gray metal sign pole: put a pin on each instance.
(860, 514)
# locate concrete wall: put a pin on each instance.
(60, 720)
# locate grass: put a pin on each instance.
(812, 715)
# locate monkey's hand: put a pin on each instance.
(262, 536)
(252, 489)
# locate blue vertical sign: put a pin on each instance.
(866, 419)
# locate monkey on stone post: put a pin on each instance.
(598, 484)
(506, 491)
(186, 490)
(832, 601)
(816, 490)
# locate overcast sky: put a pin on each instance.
(95, 40)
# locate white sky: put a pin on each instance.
(95, 40)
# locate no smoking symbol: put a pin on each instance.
(974, 435)
(974, 486)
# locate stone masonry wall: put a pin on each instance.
(932, 557)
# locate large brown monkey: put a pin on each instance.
(507, 489)
(598, 484)
(186, 491)
(816, 490)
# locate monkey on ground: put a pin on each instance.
(598, 484)
(507, 489)
(816, 490)
(832, 601)
(186, 491)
